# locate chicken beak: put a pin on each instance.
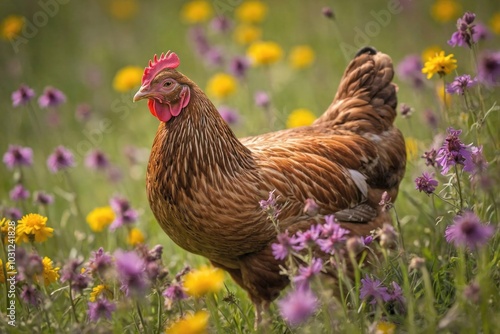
(141, 94)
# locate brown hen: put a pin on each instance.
(204, 184)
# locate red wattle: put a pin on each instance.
(151, 107)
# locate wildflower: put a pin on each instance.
(465, 31)
(385, 201)
(174, 292)
(264, 53)
(19, 193)
(251, 11)
(467, 230)
(373, 291)
(332, 235)
(102, 308)
(308, 238)
(83, 112)
(130, 269)
(221, 24)
(478, 161)
(388, 236)
(17, 156)
(100, 290)
(221, 85)
(238, 67)
(191, 324)
(439, 64)
(301, 56)
(78, 281)
(306, 274)
(396, 294)
(51, 97)
(199, 40)
(430, 118)
(99, 261)
(495, 23)
(460, 84)
(32, 228)
(30, 295)
(410, 70)
(123, 9)
(245, 34)
(29, 267)
(489, 68)
(100, 217)
(42, 198)
(262, 99)
(60, 159)
(430, 157)
(430, 52)
(328, 13)
(135, 237)
(311, 208)
(480, 33)
(127, 78)
(406, 110)
(229, 115)
(22, 96)
(300, 117)
(197, 11)
(453, 152)
(204, 280)
(125, 215)
(50, 274)
(385, 327)
(283, 247)
(426, 183)
(96, 160)
(214, 57)
(445, 10)
(11, 26)
(298, 306)
(12, 213)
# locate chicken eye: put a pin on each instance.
(167, 83)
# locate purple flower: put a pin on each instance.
(19, 193)
(453, 152)
(283, 247)
(199, 40)
(175, 292)
(42, 198)
(328, 13)
(51, 97)
(467, 230)
(426, 183)
(96, 160)
(332, 235)
(270, 206)
(99, 261)
(22, 96)
(460, 84)
(214, 57)
(60, 159)
(125, 215)
(70, 273)
(406, 110)
(431, 118)
(229, 115)
(410, 70)
(131, 271)
(12, 213)
(311, 208)
(385, 201)
(306, 274)
(262, 99)
(308, 238)
(298, 306)
(397, 293)
(480, 33)
(465, 31)
(489, 68)
(238, 67)
(17, 156)
(430, 157)
(478, 160)
(83, 112)
(373, 291)
(28, 265)
(221, 24)
(101, 308)
(31, 295)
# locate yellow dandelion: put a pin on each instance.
(135, 237)
(123, 9)
(221, 85)
(50, 274)
(252, 11)
(100, 217)
(384, 327)
(300, 117)
(32, 228)
(495, 23)
(443, 97)
(190, 324)
(98, 290)
(411, 148)
(245, 34)
(439, 64)
(301, 56)
(197, 11)
(127, 78)
(11, 26)
(204, 280)
(264, 53)
(445, 10)
(430, 52)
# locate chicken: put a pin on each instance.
(204, 184)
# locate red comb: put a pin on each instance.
(167, 60)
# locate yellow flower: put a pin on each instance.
(10, 271)
(99, 218)
(50, 274)
(123, 9)
(430, 52)
(127, 78)
(135, 237)
(495, 23)
(32, 228)
(411, 148)
(300, 117)
(190, 324)
(4, 229)
(98, 290)
(264, 53)
(221, 85)
(384, 327)
(251, 11)
(12, 26)
(301, 56)
(197, 11)
(439, 64)
(444, 97)
(245, 34)
(445, 10)
(204, 280)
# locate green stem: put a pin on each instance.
(158, 324)
(73, 308)
(459, 188)
(139, 313)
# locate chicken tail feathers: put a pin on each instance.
(366, 98)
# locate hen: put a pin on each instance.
(204, 185)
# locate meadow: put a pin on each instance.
(81, 250)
